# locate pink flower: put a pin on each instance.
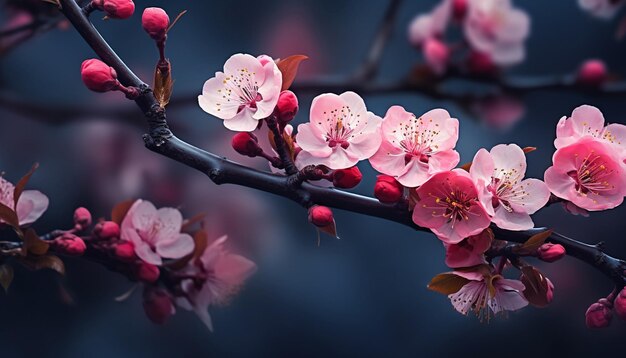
(497, 29)
(154, 233)
(31, 205)
(222, 275)
(340, 133)
(497, 294)
(246, 92)
(413, 149)
(469, 252)
(589, 173)
(604, 9)
(430, 25)
(448, 205)
(588, 121)
(508, 199)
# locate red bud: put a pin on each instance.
(620, 304)
(125, 251)
(246, 143)
(550, 252)
(481, 63)
(107, 230)
(157, 304)
(347, 178)
(69, 244)
(387, 189)
(116, 9)
(147, 272)
(98, 76)
(592, 73)
(155, 21)
(459, 9)
(599, 314)
(320, 216)
(287, 106)
(82, 218)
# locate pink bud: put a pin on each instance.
(246, 143)
(320, 216)
(116, 9)
(107, 230)
(147, 272)
(287, 106)
(592, 73)
(436, 54)
(388, 190)
(157, 304)
(549, 291)
(125, 251)
(69, 244)
(620, 304)
(155, 21)
(98, 76)
(550, 252)
(599, 314)
(459, 9)
(82, 218)
(481, 63)
(347, 178)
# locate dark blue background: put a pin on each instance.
(363, 295)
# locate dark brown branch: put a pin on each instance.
(222, 171)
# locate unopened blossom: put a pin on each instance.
(388, 190)
(604, 9)
(414, 148)
(246, 92)
(484, 298)
(436, 54)
(430, 25)
(221, 275)
(495, 28)
(589, 173)
(340, 133)
(154, 233)
(508, 198)
(470, 251)
(592, 73)
(31, 205)
(588, 121)
(448, 204)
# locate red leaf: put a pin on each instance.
(536, 286)
(447, 283)
(33, 244)
(19, 187)
(9, 216)
(289, 68)
(6, 276)
(120, 210)
(531, 245)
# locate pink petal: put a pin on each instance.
(482, 167)
(587, 120)
(177, 248)
(515, 221)
(170, 221)
(141, 215)
(388, 159)
(509, 158)
(354, 101)
(31, 205)
(243, 121)
(240, 61)
(215, 100)
(535, 196)
(414, 174)
(233, 269)
(142, 248)
(311, 141)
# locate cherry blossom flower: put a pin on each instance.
(154, 233)
(31, 205)
(482, 295)
(448, 205)
(589, 173)
(246, 92)
(604, 9)
(469, 252)
(415, 148)
(588, 121)
(430, 25)
(340, 133)
(508, 199)
(495, 28)
(223, 274)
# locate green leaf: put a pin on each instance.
(19, 187)
(289, 68)
(6, 276)
(447, 283)
(120, 210)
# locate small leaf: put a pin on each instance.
(532, 244)
(190, 222)
(6, 276)
(44, 262)
(19, 187)
(163, 84)
(466, 166)
(176, 20)
(529, 149)
(33, 244)
(120, 210)
(9, 216)
(536, 286)
(330, 229)
(201, 241)
(447, 283)
(289, 68)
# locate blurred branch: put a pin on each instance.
(222, 171)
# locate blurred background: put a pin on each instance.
(362, 295)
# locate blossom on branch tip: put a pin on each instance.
(222, 273)
(340, 133)
(321, 216)
(286, 107)
(387, 189)
(30, 206)
(155, 22)
(415, 148)
(508, 199)
(588, 121)
(116, 9)
(155, 233)
(98, 76)
(550, 252)
(599, 314)
(246, 92)
(449, 205)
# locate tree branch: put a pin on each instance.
(222, 171)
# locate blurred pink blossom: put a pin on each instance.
(30, 206)
(430, 25)
(588, 121)
(603, 9)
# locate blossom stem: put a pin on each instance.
(281, 146)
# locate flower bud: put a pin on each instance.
(287, 106)
(550, 252)
(347, 178)
(459, 9)
(116, 9)
(599, 314)
(98, 76)
(147, 272)
(549, 291)
(107, 230)
(620, 304)
(481, 63)
(387, 189)
(69, 244)
(246, 143)
(157, 304)
(320, 216)
(125, 251)
(592, 73)
(82, 218)
(155, 21)
(436, 54)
